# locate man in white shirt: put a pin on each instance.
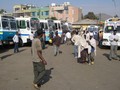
(91, 49)
(75, 40)
(16, 41)
(114, 38)
(68, 37)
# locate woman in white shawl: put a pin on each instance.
(82, 49)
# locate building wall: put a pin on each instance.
(70, 14)
(62, 12)
(23, 10)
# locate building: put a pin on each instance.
(65, 12)
(84, 24)
(31, 10)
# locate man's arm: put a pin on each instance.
(39, 52)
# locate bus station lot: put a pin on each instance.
(63, 71)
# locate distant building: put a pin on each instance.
(84, 24)
(31, 10)
(65, 12)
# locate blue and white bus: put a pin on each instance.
(27, 26)
(58, 27)
(8, 29)
(48, 28)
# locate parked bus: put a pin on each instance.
(94, 29)
(67, 27)
(8, 28)
(58, 27)
(110, 25)
(26, 26)
(48, 28)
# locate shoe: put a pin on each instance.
(76, 57)
(36, 86)
(92, 63)
(89, 63)
(55, 54)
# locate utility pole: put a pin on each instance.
(114, 2)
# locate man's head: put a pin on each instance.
(76, 32)
(39, 33)
(56, 33)
(91, 35)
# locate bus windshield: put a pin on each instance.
(109, 29)
(21, 24)
(5, 24)
(34, 24)
(13, 25)
(51, 25)
(118, 29)
(92, 29)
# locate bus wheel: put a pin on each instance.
(21, 42)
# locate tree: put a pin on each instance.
(2, 11)
(90, 15)
(53, 18)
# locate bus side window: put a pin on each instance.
(13, 25)
(5, 24)
(28, 24)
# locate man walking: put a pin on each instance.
(114, 45)
(56, 42)
(91, 49)
(38, 60)
(75, 39)
(16, 41)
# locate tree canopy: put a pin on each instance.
(2, 11)
(90, 15)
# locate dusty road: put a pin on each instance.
(64, 73)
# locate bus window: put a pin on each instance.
(13, 25)
(28, 25)
(56, 26)
(21, 24)
(34, 24)
(5, 24)
(46, 26)
(0, 25)
(42, 25)
(59, 26)
(109, 29)
(118, 29)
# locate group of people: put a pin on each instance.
(84, 46)
(84, 50)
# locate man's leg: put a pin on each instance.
(39, 72)
(115, 52)
(75, 51)
(111, 52)
(15, 47)
(55, 50)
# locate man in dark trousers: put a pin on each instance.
(16, 41)
(38, 60)
(56, 42)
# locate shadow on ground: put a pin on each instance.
(8, 55)
(5, 56)
(106, 55)
(47, 76)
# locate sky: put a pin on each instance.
(110, 7)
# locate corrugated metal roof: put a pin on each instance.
(87, 21)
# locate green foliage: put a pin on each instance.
(53, 18)
(2, 11)
(90, 15)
